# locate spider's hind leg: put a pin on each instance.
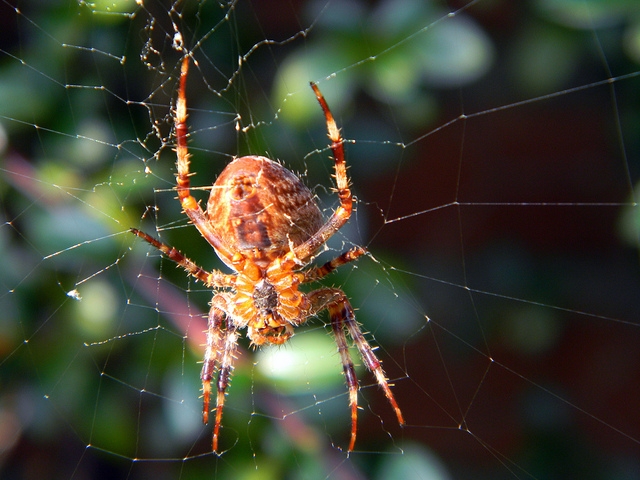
(341, 314)
(220, 352)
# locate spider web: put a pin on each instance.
(493, 151)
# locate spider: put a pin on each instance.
(265, 224)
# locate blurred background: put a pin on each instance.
(493, 149)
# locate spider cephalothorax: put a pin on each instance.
(264, 223)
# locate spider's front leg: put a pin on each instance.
(343, 212)
(341, 314)
(220, 352)
(190, 205)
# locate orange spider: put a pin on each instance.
(264, 223)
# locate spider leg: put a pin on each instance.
(224, 377)
(210, 279)
(189, 204)
(341, 314)
(343, 212)
(316, 273)
(372, 363)
(211, 353)
(340, 311)
(222, 341)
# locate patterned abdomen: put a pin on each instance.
(260, 208)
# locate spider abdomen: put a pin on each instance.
(260, 208)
